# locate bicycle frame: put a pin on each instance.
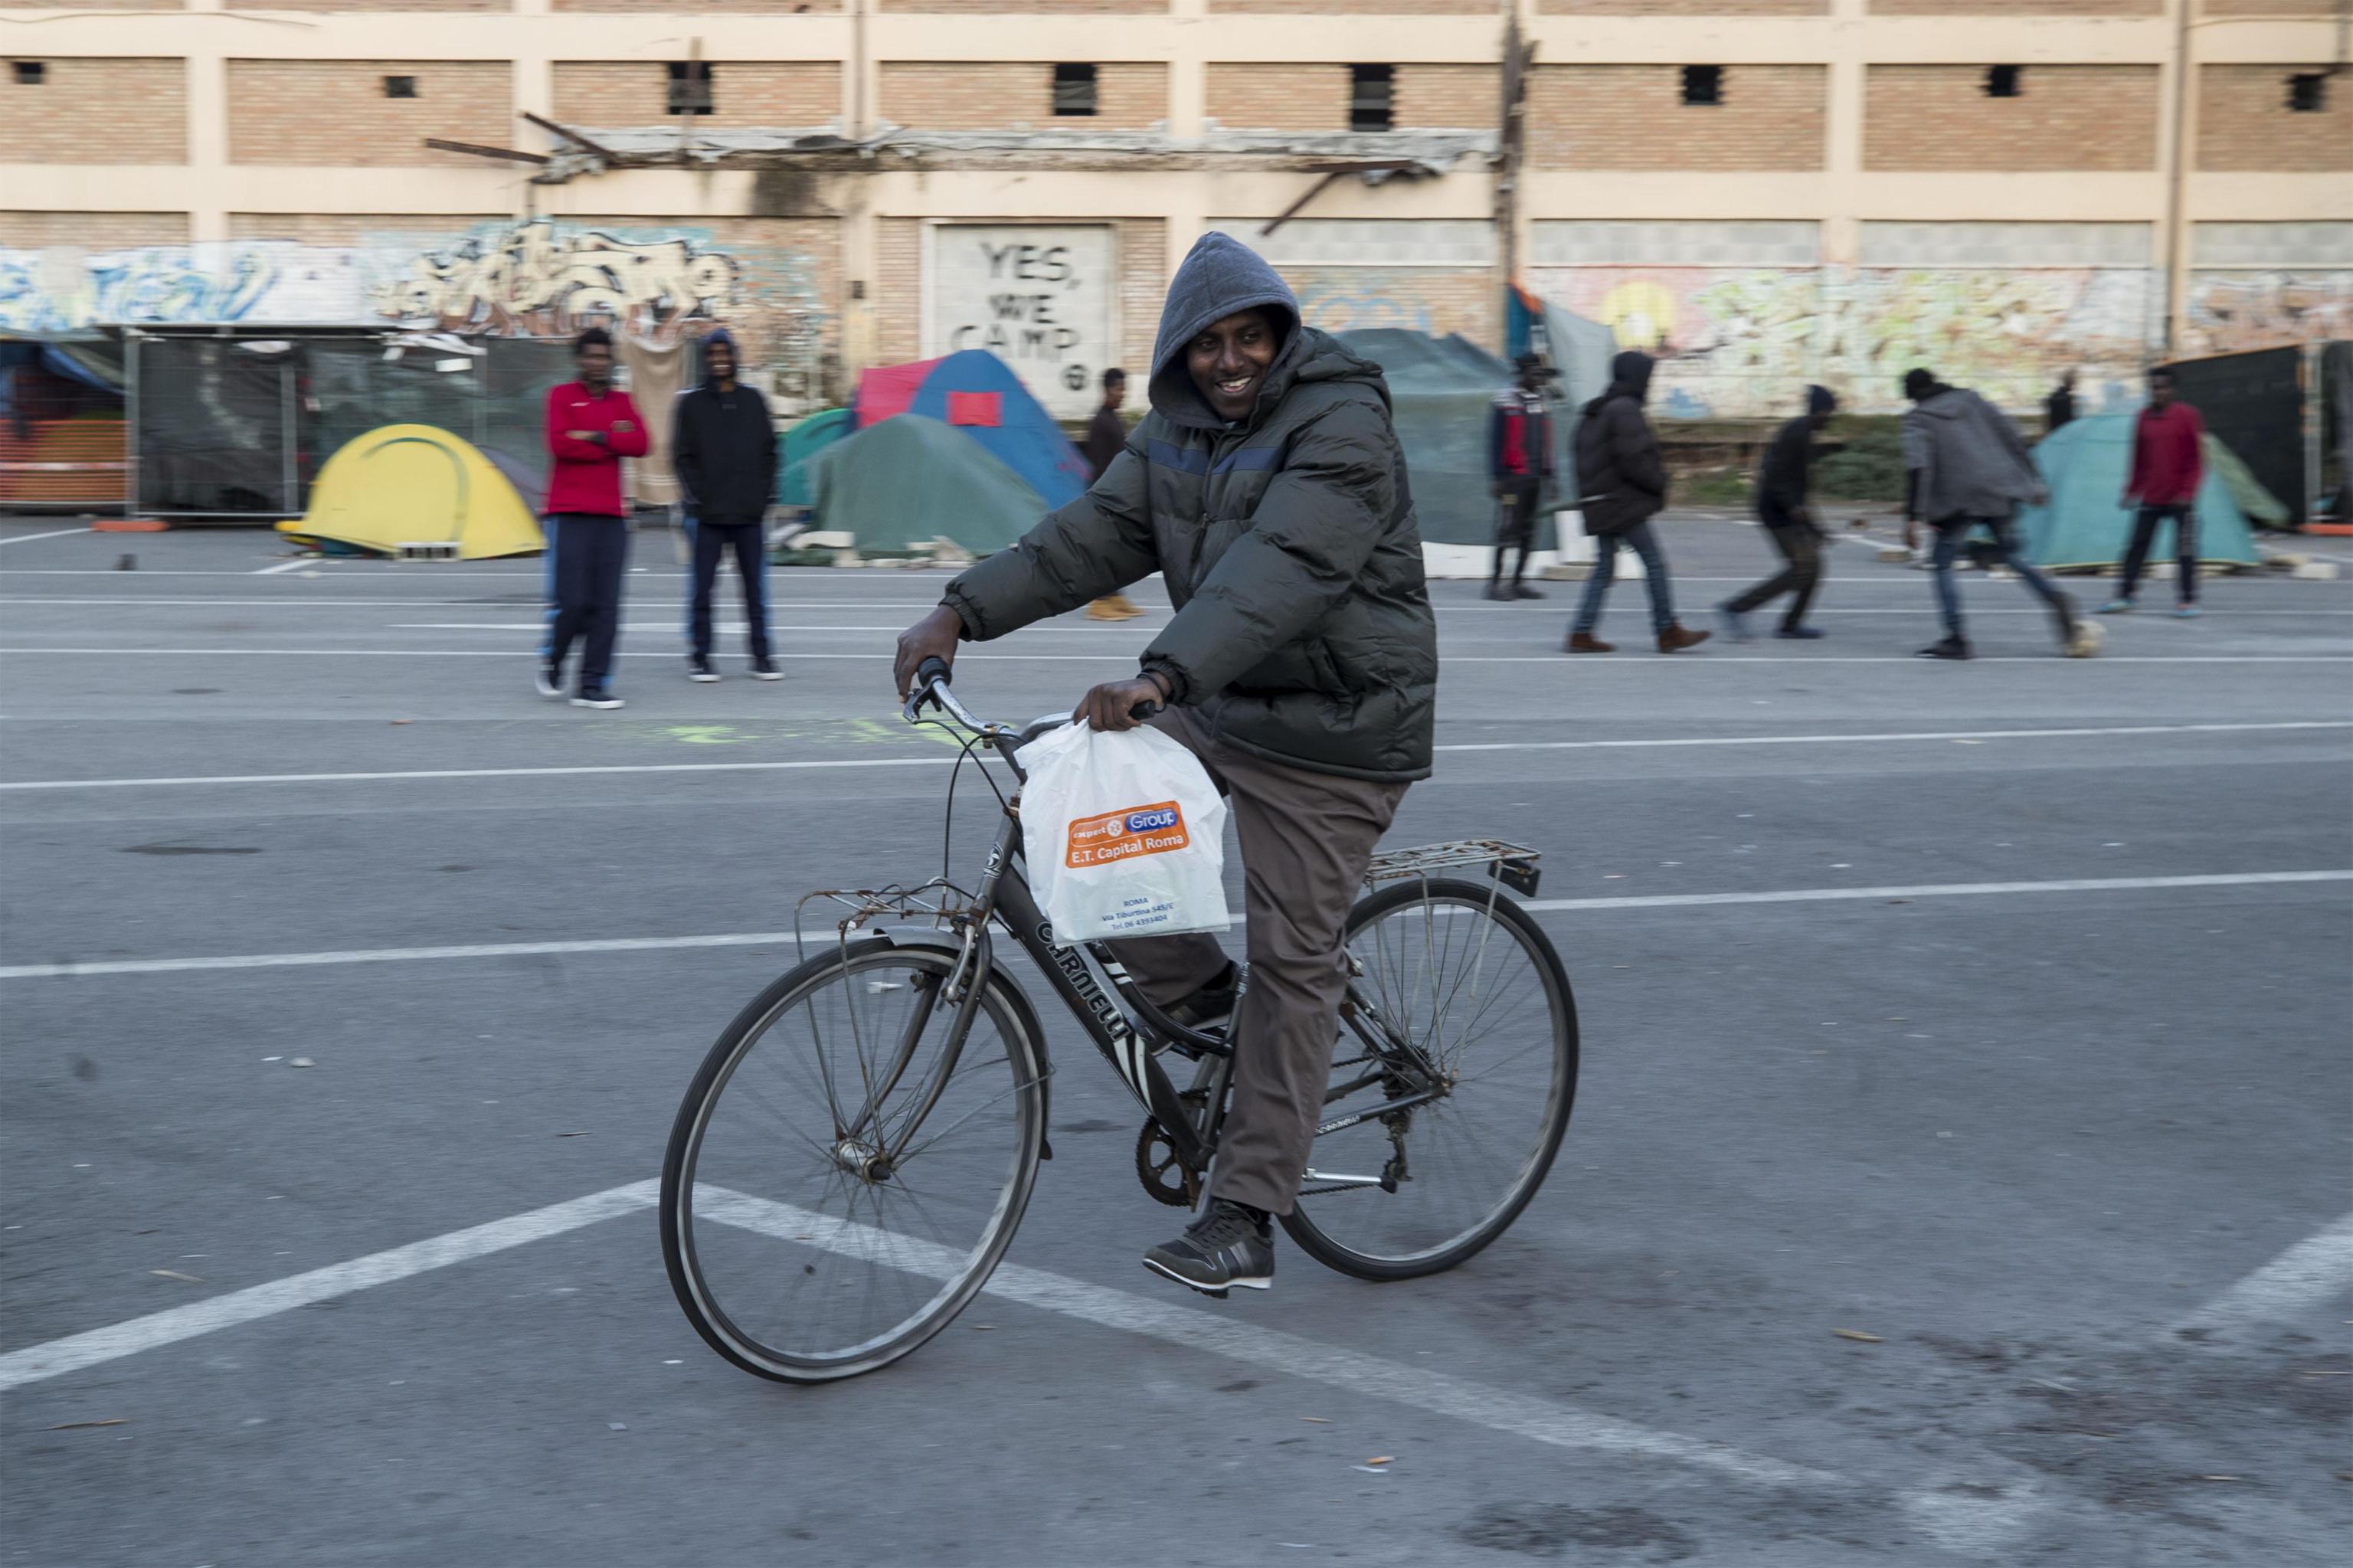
(1112, 1011)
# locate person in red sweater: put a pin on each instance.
(2168, 464)
(591, 426)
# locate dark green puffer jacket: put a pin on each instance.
(1303, 630)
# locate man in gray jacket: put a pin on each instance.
(1966, 468)
(1267, 488)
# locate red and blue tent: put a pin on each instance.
(977, 393)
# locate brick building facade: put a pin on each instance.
(1767, 192)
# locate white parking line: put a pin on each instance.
(295, 565)
(1660, 742)
(35, 1362)
(75, 971)
(29, 538)
(1224, 1334)
(2305, 1275)
(1498, 1409)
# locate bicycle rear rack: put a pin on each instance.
(1513, 865)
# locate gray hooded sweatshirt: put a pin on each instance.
(1967, 458)
(1303, 630)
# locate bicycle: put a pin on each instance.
(852, 1158)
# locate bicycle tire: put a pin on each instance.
(683, 1255)
(1318, 1241)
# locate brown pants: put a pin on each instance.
(1305, 837)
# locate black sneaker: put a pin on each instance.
(1229, 1245)
(594, 697)
(764, 670)
(699, 670)
(550, 681)
(1950, 648)
(1521, 591)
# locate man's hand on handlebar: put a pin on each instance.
(934, 637)
(1122, 705)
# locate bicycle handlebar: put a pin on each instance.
(932, 677)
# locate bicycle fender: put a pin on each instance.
(1024, 1010)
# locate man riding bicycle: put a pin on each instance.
(1267, 488)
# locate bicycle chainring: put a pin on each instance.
(1163, 1171)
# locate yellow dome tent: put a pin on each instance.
(416, 491)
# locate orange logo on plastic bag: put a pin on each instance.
(1126, 833)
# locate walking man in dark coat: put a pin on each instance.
(1967, 468)
(1783, 480)
(1268, 487)
(724, 451)
(1622, 484)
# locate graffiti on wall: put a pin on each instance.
(532, 278)
(1739, 343)
(1417, 299)
(2229, 312)
(65, 288)
(536, 280)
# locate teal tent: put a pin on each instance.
(1441, 390)
(910, 480)
(2083, 465)
(797, 446)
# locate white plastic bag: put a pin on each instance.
(1124, 833)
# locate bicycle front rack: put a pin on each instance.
(938, 903)
(1513, 865)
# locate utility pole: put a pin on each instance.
(1518, 54)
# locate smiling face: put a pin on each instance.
(1227, 361)
(719, 358)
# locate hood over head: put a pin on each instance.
(1820, 400)
(718, 336)
(1220, 277)
(1630, 377)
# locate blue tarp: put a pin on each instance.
(1025, 438)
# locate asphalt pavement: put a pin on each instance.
(1958, 1172)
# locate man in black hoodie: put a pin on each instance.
(724, 451)
(1622, 484)
(1783, 480)
(1267, 488)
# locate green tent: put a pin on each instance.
(2084, 464)
(797, 446)
(910, 480)
(1441, 390)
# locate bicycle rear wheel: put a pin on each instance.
(1459, 997)
(807, 1236)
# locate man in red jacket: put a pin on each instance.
(2168, 464)
(591, 426)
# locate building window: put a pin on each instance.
(1074, 89)
(1372, 97)
(2005, 81)
(31, 73)
(2307, 92)
(1704, 84)
(689, 87)
(400, 87)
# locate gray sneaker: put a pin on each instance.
(1229, 1245)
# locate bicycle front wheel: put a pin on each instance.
(838, 1185)
(1461, 1055)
